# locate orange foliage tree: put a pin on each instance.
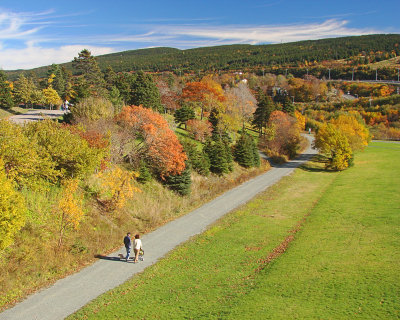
(153, 140)
(207, 94)
(286, 135)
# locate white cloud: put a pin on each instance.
(267, 34)
(34, 56)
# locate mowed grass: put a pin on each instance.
(344, 263)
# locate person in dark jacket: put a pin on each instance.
(128, 245)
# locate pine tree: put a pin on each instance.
(145, 92)
(214, 120)
(87, 65)
(144, 173)
(6, 99)
(198, 159)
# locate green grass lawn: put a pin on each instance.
(344, 263)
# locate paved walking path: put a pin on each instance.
(71, 293)
(36, 115)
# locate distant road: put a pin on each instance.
(36, 115)
(70, 294)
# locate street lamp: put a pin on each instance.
(292, 98)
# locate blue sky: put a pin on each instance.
(36, 33)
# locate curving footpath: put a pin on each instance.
(73, 292)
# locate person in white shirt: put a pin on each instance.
(137, 246)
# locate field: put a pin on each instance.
(317, 245)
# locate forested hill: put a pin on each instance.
(364, 49)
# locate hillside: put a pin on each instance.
(269, 57)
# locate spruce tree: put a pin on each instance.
(180, 183)
(198, 159)
(217, 153)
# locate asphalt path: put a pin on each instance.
(36, 115)
(73, 292)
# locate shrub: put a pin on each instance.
(92, 108)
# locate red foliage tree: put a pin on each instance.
(161, 146)
(201, 130)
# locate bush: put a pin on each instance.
(92, 108)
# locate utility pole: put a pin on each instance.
(376, 74)
(329, 74)
(352, 75)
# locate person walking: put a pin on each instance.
(128, 245)
(137, 246)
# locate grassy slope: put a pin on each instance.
(344, 263)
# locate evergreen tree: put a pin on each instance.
(87, 65)
(245, 152)
(264, 109)
(6, 99)
(198, 159)
(110, 77)
(288, 106)
(180, 183)
(184, 114)
(145, 92)
(214, 120)
(144, 172)
(217, 153)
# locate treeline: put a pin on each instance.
(275, 58)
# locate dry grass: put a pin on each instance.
(34, 260)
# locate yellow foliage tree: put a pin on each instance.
(356, 133)
(301, 120)
(51, 97)
(332, 142)
(70, 208)
(12, 210)
(116, 187)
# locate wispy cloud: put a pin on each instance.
(27, 40)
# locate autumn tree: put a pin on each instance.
(286, 137)
(22, 159)
(152, 139)
(69, 208)
(333, 143)
(200, 129)
(12, 210)
(355, 131)
(6, 99)
(202, 94)
(116, 186)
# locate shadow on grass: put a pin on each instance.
(317, 164)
